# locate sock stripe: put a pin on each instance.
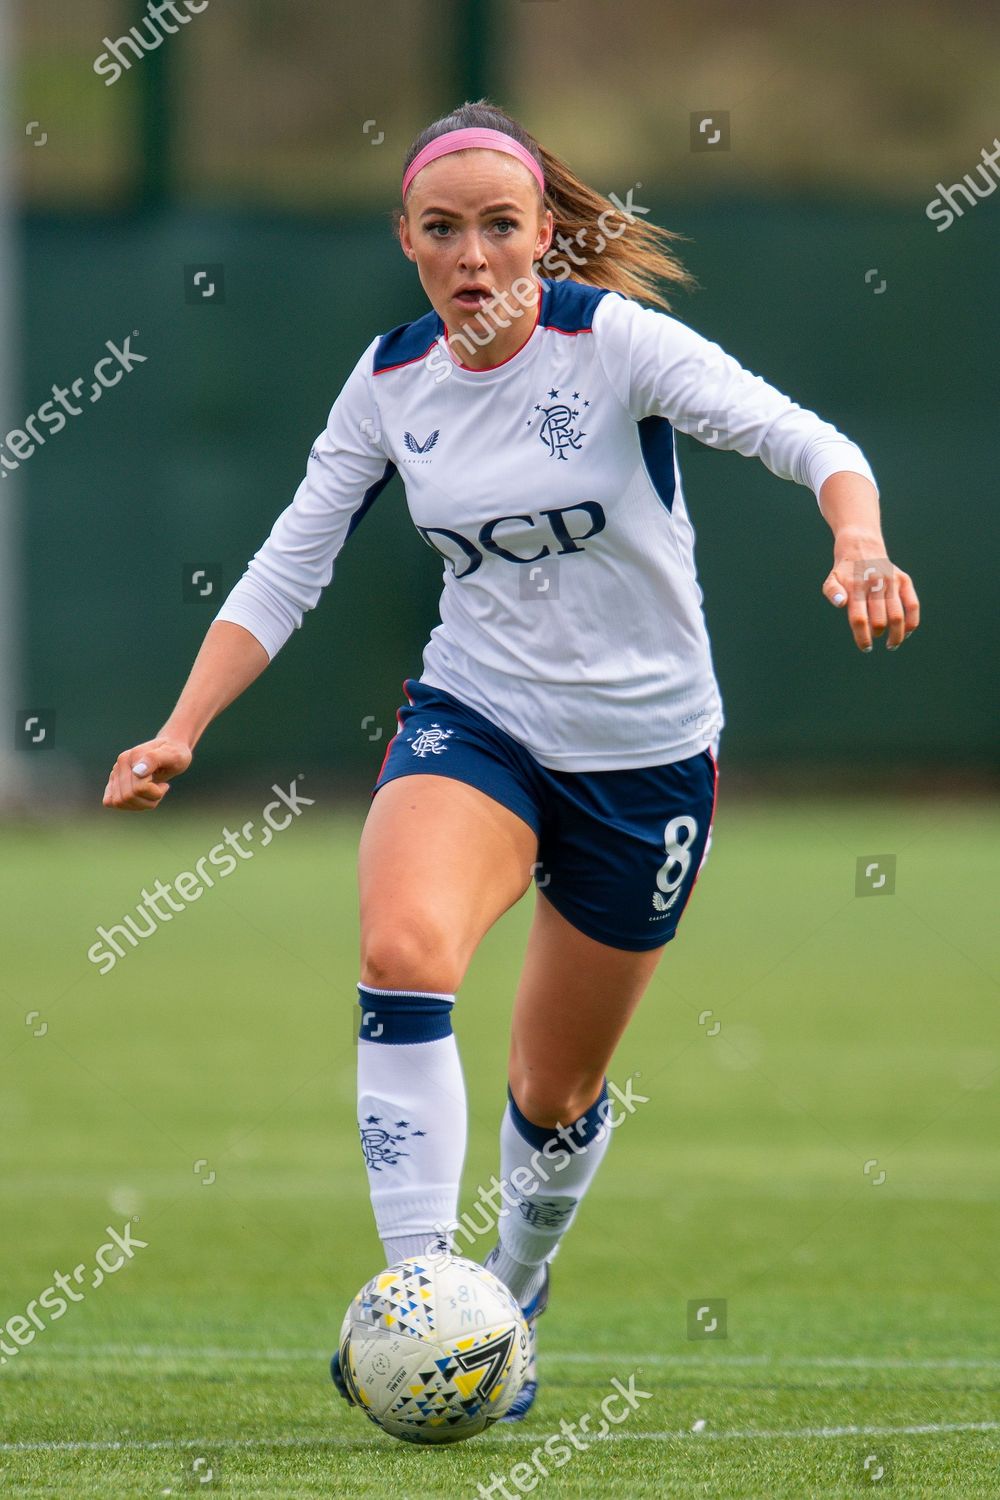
(584, 1129)
(399, 1018)
(431, 994)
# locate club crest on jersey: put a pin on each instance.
(425, 446)
(556, 428)
(432, 741)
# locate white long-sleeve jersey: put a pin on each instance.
(571, 611)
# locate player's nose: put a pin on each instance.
(472, 251)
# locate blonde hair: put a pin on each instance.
(631, 263)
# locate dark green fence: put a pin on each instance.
(190, 458)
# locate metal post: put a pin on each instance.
(13, 770)
(155, 82)
(474, 32)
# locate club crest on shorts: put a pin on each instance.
(432, 741)
(556, 429)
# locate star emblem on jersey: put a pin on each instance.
(432, 741)
(381, 1141)
(556, 423)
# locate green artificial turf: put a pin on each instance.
(860, 1308)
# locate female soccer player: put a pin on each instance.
(565, 725)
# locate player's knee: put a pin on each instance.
(403, 955)
(551, 1099)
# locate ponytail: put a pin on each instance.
(621, 253)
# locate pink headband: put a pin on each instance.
(461, 140)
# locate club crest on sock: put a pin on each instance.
(546, 1213)
(380, 1145)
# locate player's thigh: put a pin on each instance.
(574, 1000)
(439, 862)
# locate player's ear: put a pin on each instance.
(404, 239)
(545, 232)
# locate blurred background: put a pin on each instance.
(226, 199)
(822, 1070)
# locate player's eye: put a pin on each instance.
(506, 226)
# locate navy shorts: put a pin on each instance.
(618, 851)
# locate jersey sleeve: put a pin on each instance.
(659, 366)
(347, 469)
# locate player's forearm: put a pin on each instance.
(849, 504)
(230, 659)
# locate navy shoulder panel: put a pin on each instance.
(408, 342)
(570, 305)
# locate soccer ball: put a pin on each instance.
(434, 1349)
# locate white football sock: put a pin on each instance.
(412, 1117)
(561, 1162)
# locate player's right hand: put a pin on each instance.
(140, 777)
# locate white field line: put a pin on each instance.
(167, 1352)
(750, 1434)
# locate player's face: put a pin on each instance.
(474, 218)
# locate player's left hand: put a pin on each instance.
(877, 595)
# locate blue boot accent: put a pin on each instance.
(337, 1376)
(525, 1398)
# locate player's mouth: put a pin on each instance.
(472, 296)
